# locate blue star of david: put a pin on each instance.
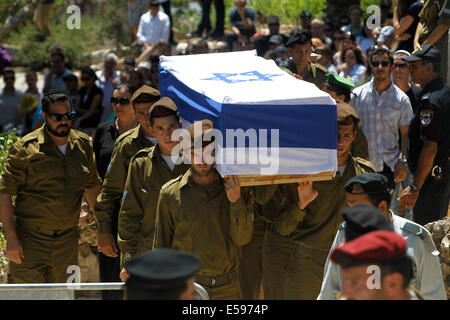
(226, 77)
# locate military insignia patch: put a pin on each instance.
(426, 117)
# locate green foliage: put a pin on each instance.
(75, 43)
(6, 141)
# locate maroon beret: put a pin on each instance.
(369, 249)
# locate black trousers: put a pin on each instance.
(433, 200)
(388, 173)
(166, 7)
(109, 268)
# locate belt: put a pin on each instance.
(45, 232)
(217, 281)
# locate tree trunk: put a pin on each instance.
(14, 20)
(337, 11)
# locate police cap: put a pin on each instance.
(427, 52)
(362, 219)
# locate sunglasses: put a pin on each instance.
(57, 117)
(377, 63)
(401, 65)
(124, 101)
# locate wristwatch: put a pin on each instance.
(403, 161)
(414, 187)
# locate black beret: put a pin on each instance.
(371, 183)
(361, 219)
(301, 37)
(161, 269)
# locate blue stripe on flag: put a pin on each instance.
(301, 126)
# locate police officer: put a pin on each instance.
(125, 147)
(387, 251)
(300, 48)
(305, 220)
(202, 213)
(371, 189)
(48, 170)
(340, 89)
(162, 274)
(148, 171)
(429, 140)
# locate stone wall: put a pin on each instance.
(440, 231)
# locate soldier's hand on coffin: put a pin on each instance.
(232, 188)
(297, 76)
(107, 245)
(306, 194)
(124, 275)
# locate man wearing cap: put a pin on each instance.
(375, 266)
(384, 111)
(125, 147)
(148, 171)
(48, 170)
(300, 49)
(433, 29)
(429, 140)
(154, 25)
(340, 88)
(386, 37)
(162, 274)
(202, 213)
(371, 189)
(306, 217)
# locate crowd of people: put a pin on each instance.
(286, 241)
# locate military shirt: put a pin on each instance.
(433, 13)
(208, 225)
(316, 225)
(419, 245)
(147, 173)
(49, 185)
(315, 74)
(125, 147)
(431, 122)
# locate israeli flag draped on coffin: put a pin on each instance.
(293, 121)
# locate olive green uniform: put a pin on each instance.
(209, 225)
(313, 230)
(147, 173)
(108, 201)
(432, 14)
(315, 74)
(49, 188)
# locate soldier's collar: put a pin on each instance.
(186, 178)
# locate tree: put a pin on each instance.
(15, 18)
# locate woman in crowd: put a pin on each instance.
(405, 21)
(104, 139)
(353, 65)
(89, 102)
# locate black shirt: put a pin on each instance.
(413, 11)
(85, 103)
(431, 122)
(413, 94)
(104, 138)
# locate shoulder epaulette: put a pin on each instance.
(415, 229)
(426, 96)
(171, 182)
(82, 135)
(364, 162)
(320, 67)
(124, 135)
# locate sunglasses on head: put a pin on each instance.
(57, 117)
(377, 63)
(122, 101)
(401, 65)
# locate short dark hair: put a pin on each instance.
(161, 112)
(8, 70)
(403, 265)
(348, 121)
(59, 53)
(381, 50)
(376, 198)
(54, 96)
(340, 91)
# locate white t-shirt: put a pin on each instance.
(63, 148)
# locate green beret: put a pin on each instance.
(339, 81)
